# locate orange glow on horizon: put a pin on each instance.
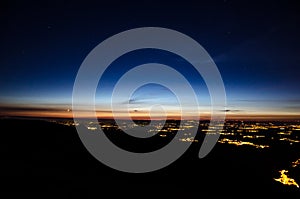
(67, 113)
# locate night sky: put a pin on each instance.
(256, 46)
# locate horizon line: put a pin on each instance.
(147, 119)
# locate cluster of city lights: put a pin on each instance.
(238, 133)
(284, 179)
(240, 143)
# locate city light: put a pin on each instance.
(284, 179)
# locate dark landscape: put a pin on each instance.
(43, 155)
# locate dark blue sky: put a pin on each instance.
(256, 46)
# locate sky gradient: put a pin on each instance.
(255, 45)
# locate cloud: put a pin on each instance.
(230, 110)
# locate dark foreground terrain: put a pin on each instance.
(37, 155)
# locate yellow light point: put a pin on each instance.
(296, 163)
(91, 128)
(284, 179)
(289, 140)
(175, 129)
(189, 139)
